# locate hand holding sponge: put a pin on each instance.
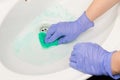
(42, 36)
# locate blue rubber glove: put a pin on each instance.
(92, 59)
(68, 31)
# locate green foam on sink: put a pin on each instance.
(42, 36)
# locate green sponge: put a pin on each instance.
(42, 36)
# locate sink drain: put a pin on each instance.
(44, 27)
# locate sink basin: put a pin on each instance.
(20, 50)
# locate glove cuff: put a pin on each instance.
(85, 22)
(107, 65)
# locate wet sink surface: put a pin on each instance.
(20, 50)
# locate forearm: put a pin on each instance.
(99, 7)
(115, 63)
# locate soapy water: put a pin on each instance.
(27, 46)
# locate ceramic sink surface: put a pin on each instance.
(20, 50)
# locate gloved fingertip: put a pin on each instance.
(54, 37)
(46, 39)
(62, 41)
(48, 35)
(50, 32)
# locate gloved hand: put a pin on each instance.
(68, 31)
(92, 59)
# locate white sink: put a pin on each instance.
(20, 50)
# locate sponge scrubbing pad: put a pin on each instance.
(42, 36)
